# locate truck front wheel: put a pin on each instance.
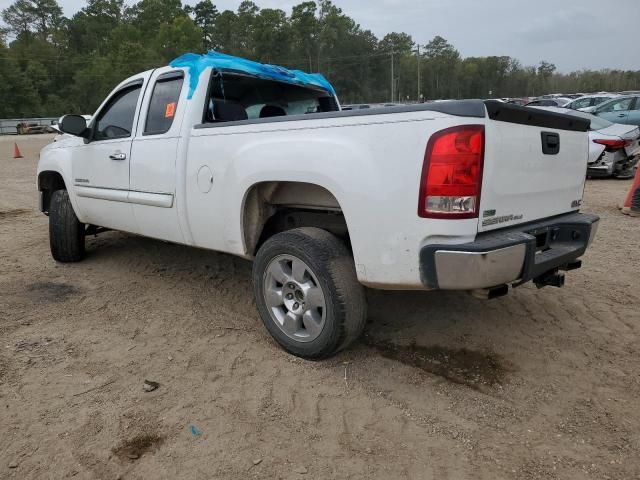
(308, 294)
(66, 232)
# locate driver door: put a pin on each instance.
(101, 165)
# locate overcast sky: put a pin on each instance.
(573, 34)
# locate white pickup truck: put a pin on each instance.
(259, 162)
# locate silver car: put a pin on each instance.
(614, 148)
(549, 102)
(589, 102)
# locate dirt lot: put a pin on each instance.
(540, 384)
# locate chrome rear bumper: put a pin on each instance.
(511, 256)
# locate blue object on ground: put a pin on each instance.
(195, 432)
(198, 63)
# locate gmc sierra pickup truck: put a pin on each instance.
(258, 161)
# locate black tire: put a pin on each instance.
(332, 264)
(66, 232)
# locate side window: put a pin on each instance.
(582, 103)
(116, 120)
(163, 104)
(619, 106)
(637, 105)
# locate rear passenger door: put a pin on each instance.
(154, 153)
(634, 113)
(616, 111)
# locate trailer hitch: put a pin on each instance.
(550, 279)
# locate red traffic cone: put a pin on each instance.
(16, 151)
(632, 203)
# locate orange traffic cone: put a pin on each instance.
(632, 203)
(16, 151)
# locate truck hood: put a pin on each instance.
(63, 141)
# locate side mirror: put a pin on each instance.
(73, 125)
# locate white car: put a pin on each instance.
(614, 148)
(258, 161)
(589, 102)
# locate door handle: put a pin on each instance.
(622, 114)
(118, 156)
(550, 143)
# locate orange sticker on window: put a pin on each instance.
(170, 110)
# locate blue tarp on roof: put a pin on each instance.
(220, 61)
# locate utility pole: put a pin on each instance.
(419, 89)
(392, 81)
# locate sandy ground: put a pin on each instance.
(540, 384)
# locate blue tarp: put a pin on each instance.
(220, 61)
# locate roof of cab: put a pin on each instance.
(196, 63)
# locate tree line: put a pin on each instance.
(50, 64)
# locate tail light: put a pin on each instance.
(452, 173)
(612, 144)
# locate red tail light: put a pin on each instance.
(452, 173)
(612, 144)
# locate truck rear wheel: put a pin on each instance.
(308, 294)
(66, 232)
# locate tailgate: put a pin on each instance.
(534, 166)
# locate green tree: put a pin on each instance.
(91, 27)
(304, 25)
(19, 17)
(181, 35)
(54, 65)
(205, 16)
(440, 66)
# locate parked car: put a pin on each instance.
(620, 110)
(588, 101)
(518, 101)
(614, 149)
(31, 128)
(549, 102)
(221, 153)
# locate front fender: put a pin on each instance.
(56, 157)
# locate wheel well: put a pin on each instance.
(49, 182)
(273, 207)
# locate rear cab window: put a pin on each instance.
(163, 103)
(236, 96)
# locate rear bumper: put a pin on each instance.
(510, 256)
(600, 170)
(611, 164)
